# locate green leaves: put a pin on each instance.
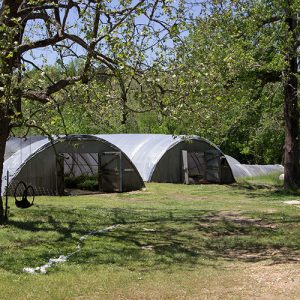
(231, 60)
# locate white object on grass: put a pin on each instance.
(292, 202)
(63, 258)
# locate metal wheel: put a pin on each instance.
(20, 190)
(29, 193)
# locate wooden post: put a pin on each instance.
(185, 166)
(6, 198)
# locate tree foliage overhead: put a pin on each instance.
(232, 69)
(107, 38)
(240, 68)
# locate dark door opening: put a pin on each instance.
(77, 173)
(201, 167)
(110, 172)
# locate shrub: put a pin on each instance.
(83, 182)
(89, 184)
(72, 182)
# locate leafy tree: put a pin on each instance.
(108, 37)
(241, 65)
(106, 104)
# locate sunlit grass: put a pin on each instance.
(270, 179)
(167, 234)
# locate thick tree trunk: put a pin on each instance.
(291, 145)
(9, 64)
(4, 132)
(291, 115)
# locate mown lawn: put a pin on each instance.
(173, 242)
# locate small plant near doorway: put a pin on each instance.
(83, 182)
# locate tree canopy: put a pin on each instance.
(241, 68)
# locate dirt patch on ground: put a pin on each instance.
(233, 281)
(237, 218)
(230, 216)
(79, 192)
(282, 281)
(234, 231)
(277, 256)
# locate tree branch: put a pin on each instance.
(39, 44)
(94, 42)
(43, 96)
(103, 58)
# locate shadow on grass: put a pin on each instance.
(255, 190)
(152, 238)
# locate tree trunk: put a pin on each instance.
(4, 132)
(9, 65)
(291, 145)
(291, 114)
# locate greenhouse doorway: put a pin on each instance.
(201, 167)
(110, 172)
(77, 173)
(88, 173)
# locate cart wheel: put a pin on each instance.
(20, 190)
(30, 194)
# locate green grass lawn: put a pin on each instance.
(173, 242)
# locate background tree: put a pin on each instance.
(240, 66)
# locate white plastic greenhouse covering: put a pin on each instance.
(19, 151)
(243, 170)
(145, 150)
(15, 144)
